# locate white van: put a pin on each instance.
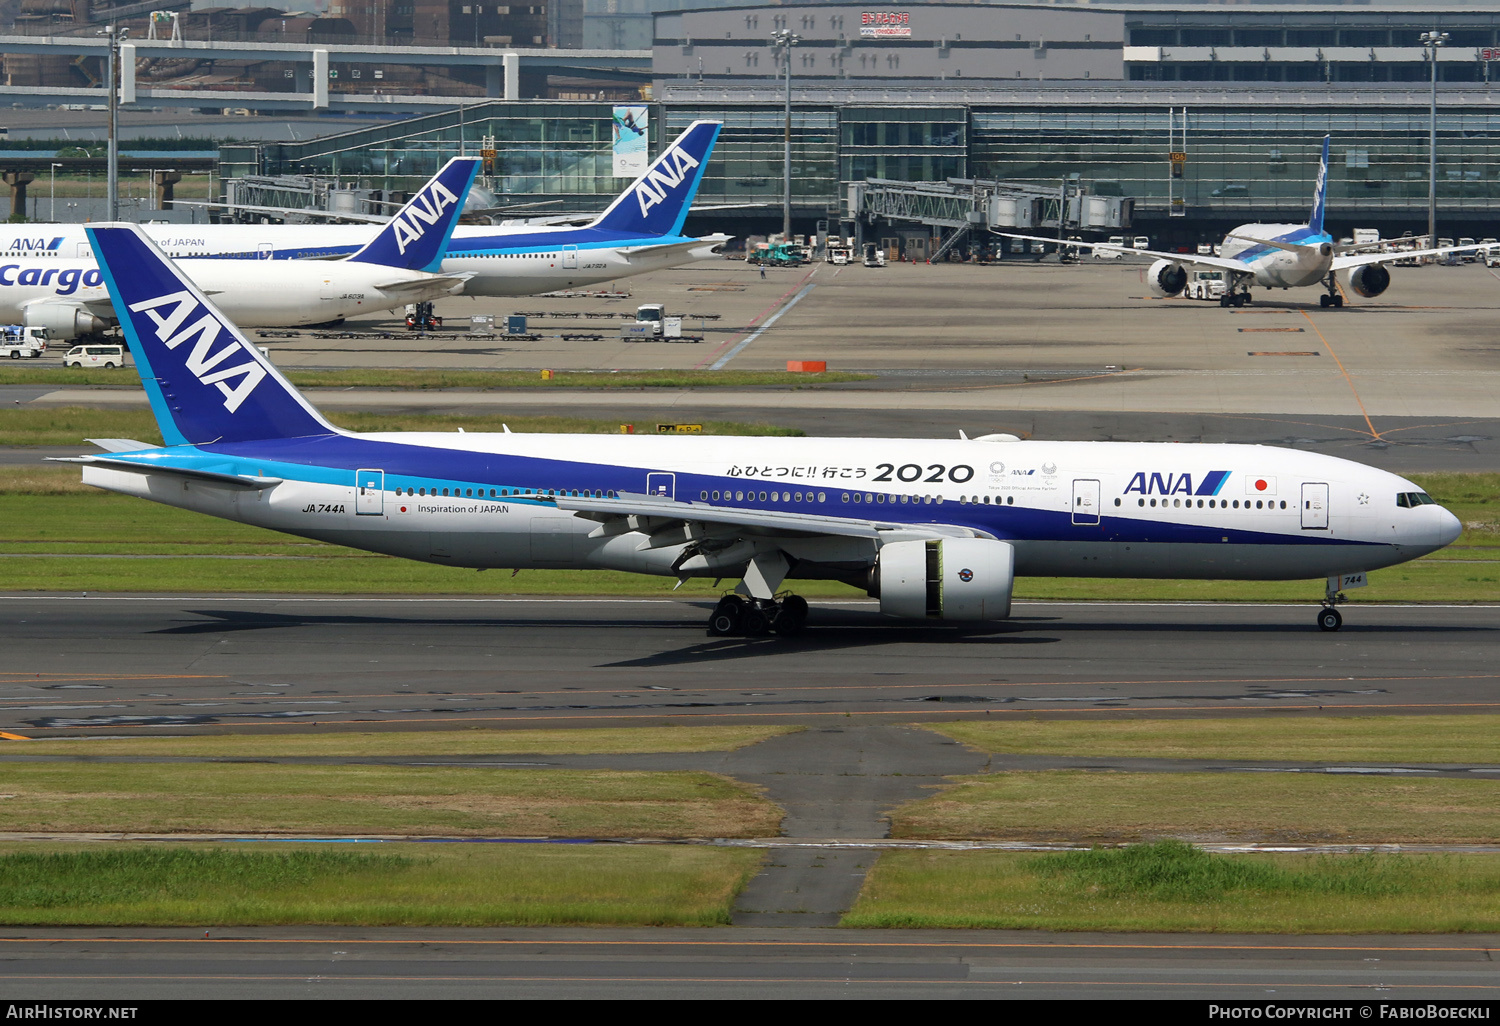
(95, 356)
(1111, 254)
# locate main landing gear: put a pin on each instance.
(754, 618)
(1334, 299)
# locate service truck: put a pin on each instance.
(19, 340)
(652, 323)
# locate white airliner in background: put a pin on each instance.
(1274, 256)
(68, 297)
(938, 530)
(640, 231)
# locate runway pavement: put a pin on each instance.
(122, 965)
(88, 666)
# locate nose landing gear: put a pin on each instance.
(1335, 299)
(753, 618)
(1329, 618)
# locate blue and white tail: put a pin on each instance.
(206, 381)
(1320, 192)
(417, 237)
(657, 203)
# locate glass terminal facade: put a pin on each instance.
(1245, 160)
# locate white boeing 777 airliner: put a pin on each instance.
(1274, 256)
(936, 529)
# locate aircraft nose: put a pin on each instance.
(1449, 527)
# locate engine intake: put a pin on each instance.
(945, 579)
(1166, 278)
(1369, 280)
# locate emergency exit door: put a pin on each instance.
(1085, 502)
(1314, 507)
(369, 492)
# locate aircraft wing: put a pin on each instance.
(1190, 259)
(1343, 263)
(656, 512)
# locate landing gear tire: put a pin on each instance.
(1325, 301)
(727, 617)
(791, 617)
(1329, 619)
(755, 623)
(1338, 301)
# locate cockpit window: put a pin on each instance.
(1411, 500)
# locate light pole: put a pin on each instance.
(116, 37)
(1431, 41)
(55, 166)
(783, 40)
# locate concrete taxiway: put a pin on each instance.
(86, 666)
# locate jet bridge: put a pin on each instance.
(964, 208)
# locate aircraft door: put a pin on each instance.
(570, 257)
(661, 485)
(369, 492)
(1085, 502)
(1315, 507)
(264, 250)
(85, 251)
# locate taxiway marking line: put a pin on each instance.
(1344, 371)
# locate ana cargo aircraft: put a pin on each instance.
(1274, 256)
(396, 267)
(640, 231)
(936, 529)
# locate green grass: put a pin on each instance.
(417, 801)
(1171, 886)
(1337, 739)
(29, 374)
(70, 425)
(1113, 808)
(598, 741)
(388, 885)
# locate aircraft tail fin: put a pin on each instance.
(205, 380)
(417, 237)
(1320, 192)
(658, 201)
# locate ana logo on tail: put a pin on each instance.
(426, 208)
(205, 331)
(667, 173)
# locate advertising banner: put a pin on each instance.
(630, 141)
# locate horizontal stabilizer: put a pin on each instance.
(206, 476)
(119, 444)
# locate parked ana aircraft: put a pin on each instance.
(640, 231)
(396, 267)
(1275, 256)
(936, 529)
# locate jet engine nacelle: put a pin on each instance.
(62, 320)
(1166, 278)
(945, 579)
(1369, 280)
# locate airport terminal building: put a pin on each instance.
(1096, 94)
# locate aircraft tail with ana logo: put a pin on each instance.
(657, 203)
(206, 382)
(1320, 192)
(417, 237)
